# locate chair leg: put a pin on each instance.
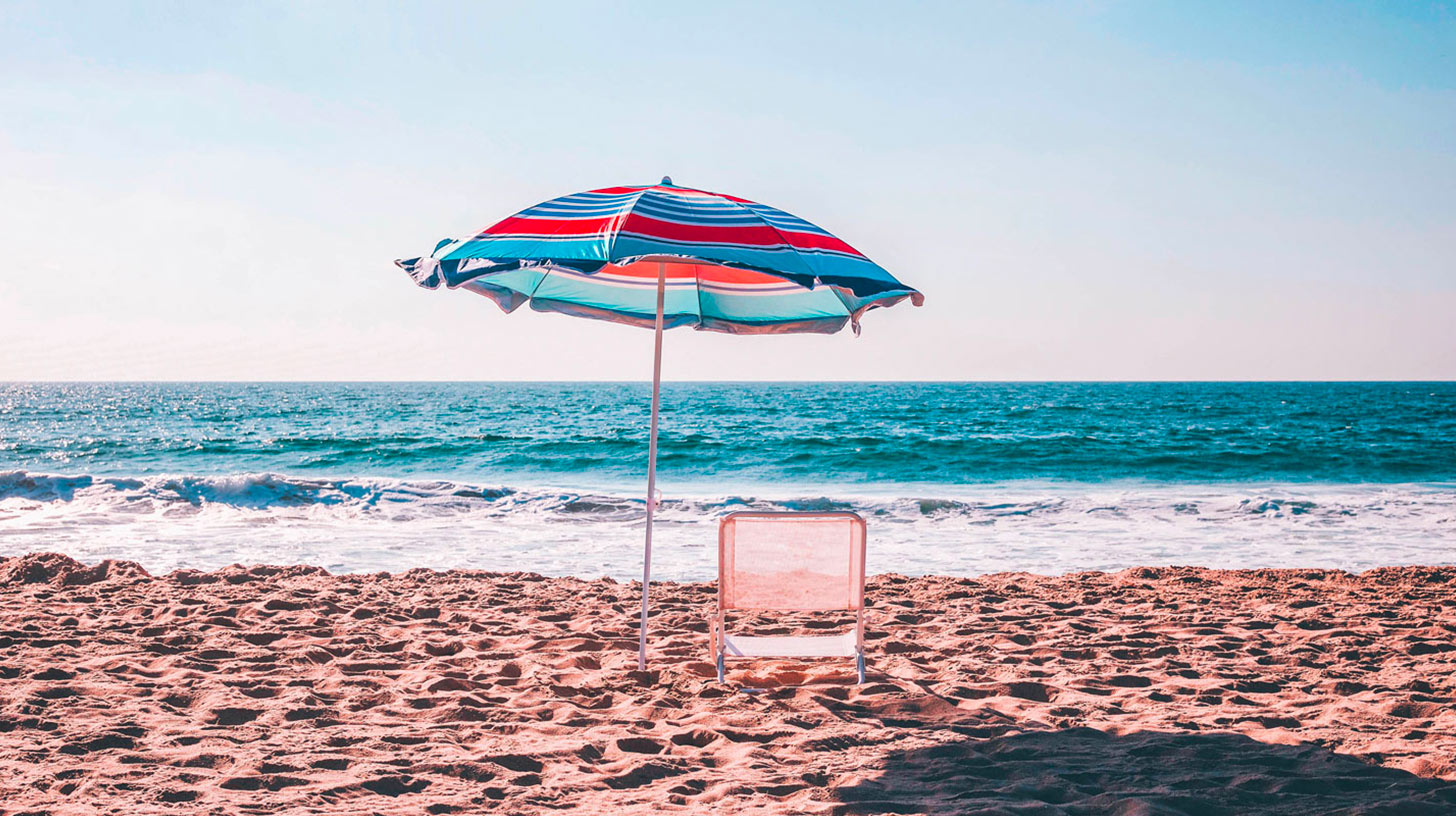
(860, 664)
(720, 667)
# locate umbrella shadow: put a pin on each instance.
(1086, 771)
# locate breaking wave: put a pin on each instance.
(369, 524)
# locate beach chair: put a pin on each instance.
(790, 562)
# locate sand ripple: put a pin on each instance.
(1148, 691)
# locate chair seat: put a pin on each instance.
(844, 645)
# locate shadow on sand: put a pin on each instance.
(1084, 771)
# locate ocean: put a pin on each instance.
(953, 478)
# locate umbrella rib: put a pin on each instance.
(484, 237)
(546, 272)
(621, 219)
(698, 286)
(848, 310)
(793, 250)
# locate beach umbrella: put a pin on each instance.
(663, 256)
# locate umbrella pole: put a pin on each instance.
(651, 466)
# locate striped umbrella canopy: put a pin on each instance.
(729, 264)
(662, 256)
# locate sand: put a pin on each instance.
(1148, 691)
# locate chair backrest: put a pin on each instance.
(791, 561)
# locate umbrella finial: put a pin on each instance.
(666, 182)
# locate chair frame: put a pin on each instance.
(719, 627)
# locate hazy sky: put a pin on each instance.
(1083, 191)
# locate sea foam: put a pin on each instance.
(364, 525)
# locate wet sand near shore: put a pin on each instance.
(1147, 691)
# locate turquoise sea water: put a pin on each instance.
(954, 477)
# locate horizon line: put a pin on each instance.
(726, 381)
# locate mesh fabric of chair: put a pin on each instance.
(790, 562)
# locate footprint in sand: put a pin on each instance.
(696, 738)
(269, 782)
(396, 785)
(641, 745)
(233, 716)
(644, 774)
(104, 742)
(520, 763)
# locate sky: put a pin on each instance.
(1085, 191)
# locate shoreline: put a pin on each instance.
(370, 525)
(61, 570)
(291, 690)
